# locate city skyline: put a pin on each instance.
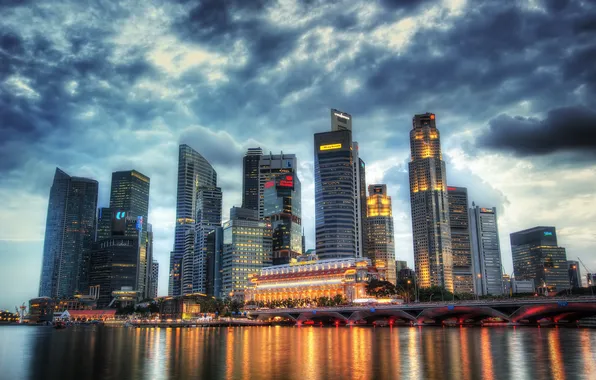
(143, 108)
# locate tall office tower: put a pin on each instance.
(244, 249)
(270, 166)
(360, 194)
(282, 208)
(430, 206)
(209, 203)
(379, 231)
(187, 269)
(70, 228)
(115, 263)
(486, 251)
(214, 243)
(149, 269)
(154, 279)
(130, 195)
(194, 171)
(575, 277)
(104, 223)
(336, 197)
(463, 282)
(250, 178)
(536, 256)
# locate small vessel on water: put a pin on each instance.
(59, 325)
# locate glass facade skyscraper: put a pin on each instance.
(209, 210)
(129, 194)
(337, 183)
(379, 232)
(70, 230)
(270, 166)
(463, 282)
(250, 178)
(486, 251)
(282, 207)
(537, 256)
(244, 250)
(430, 206)
(194, 171)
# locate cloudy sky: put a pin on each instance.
(98, 86)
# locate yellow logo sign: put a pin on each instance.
(330, 147)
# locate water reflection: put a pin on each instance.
(287, 353)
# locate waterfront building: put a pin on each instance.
(194, 172)
(69, 234)
(250, 178)
(209, 214)
(271, 166)
(522, 286)
(430, 206)
(486, 248)
(129, 200)
(537, 257)
(154, 279)
(115, 263)
(41, 310)
(282, 208)
(461, 250)
(246, 249)
(506, 284)
(309, 277)
(379, 231)
(575, 277)
(187, 270)
(405, 274)
(337, 212)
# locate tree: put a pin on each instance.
(381, 289)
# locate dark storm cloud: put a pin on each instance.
(563, 129)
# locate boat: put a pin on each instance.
(59, 325)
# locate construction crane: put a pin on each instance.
(589, 276)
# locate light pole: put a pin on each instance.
(416, 290)
(409, 290)
(479, 288)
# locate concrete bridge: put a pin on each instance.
(513, 311)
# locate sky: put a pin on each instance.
(94, 87)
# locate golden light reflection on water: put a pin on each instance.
(287, 353)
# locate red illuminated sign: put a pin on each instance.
(451, 188)
(286, 183)
(269, 184)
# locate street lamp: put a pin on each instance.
(409, 290)
(479, 289)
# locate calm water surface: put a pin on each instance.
(95, 352)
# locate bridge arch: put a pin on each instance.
(462, 313)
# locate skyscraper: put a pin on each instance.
(104, 223)
(244, 250)
(250, 178)
(270, 166)
(379, 231)
(282, 207)
(486, 256)
(130, 195)
(336, 191)
(214, 244)
(430, 205)
(154, 279)
(194, 171)
(536, 256)
(209, 204)
(70, 229)
(463, 281)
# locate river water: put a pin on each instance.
(96, 352)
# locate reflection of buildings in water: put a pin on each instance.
(465, 354)
(555, 354)
(586, 348)
(414, 353)
(486, 355)
(517, 355)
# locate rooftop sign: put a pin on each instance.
(330, 147)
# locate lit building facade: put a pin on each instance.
(250, 178)
(69, 235)
(537, 257)
(209, 214)
(282, 208)
(154, 279)
(337, 215)
(246, 249)
(194, 172)
(463, 281)
(486, 248)
(270, 166)
(214, 243)
(129, 199)
(379, 231)
(430, 206)
(312, 278)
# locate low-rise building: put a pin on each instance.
(310, 278)
(41, 310)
